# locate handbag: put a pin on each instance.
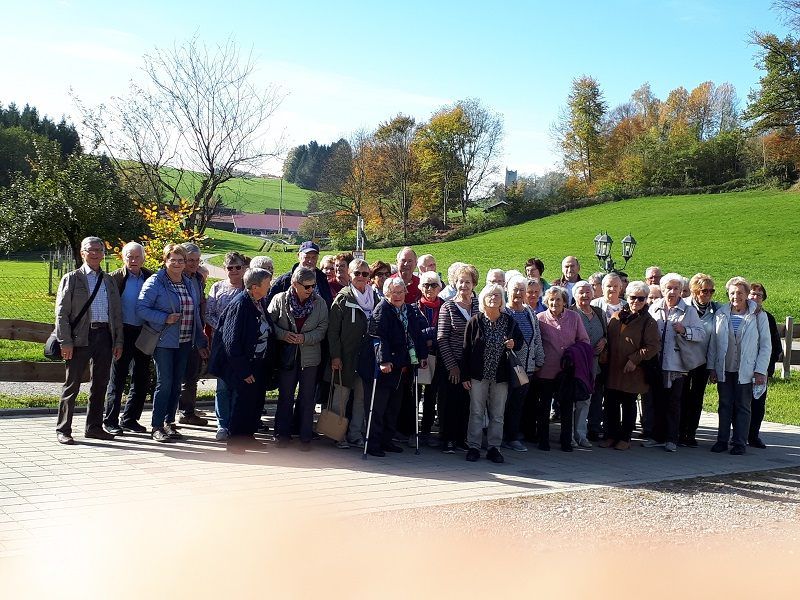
(148, 339)
(52, 347)
(425, 376)
(517, 375)
(331, 424)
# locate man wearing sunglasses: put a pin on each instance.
(307, 257)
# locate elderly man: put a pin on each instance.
(652, 275)
(570, 275)
(188, 398)
(262, 262)
(496, 276)
(129, 280)
(406, 261)
(89, 328)
(307, 257)
(426, 263)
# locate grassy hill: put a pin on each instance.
(753, 234)
(251, 195)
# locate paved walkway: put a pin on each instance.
(44, 486)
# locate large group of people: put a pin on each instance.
(500, 363)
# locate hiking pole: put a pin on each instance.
(416, 411)
(372, 400)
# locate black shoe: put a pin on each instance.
(98, 434)
(688, 443)
(305, 446)
(282, 442)
(757, 443)
(133, 426)
(719, 447)
(473, 454)
(376, 452)
(593, 436)
(495, 456)
(392, 448)
(738, 450)
(566, 447)
(65, 438)
(449, 448)
(545, 446)
(113, 429)
(172, 431)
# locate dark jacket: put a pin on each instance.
(475, 346)
(429, 316)
(347, 336)
(387, 329)
(777, 346)
(637, 341)
(284, 282)
(120, 277)
(233, 346)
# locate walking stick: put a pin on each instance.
(371, 401)
(416, 411)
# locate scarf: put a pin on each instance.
(402, 313)
(298, 310)
(700, 307)
(433, 306)
(366, 300)
(626, 315)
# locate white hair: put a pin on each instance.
(132, 246)
(515, 279)
(391, 281)
(637, 286)
(421, 260)
(430, 277)
(611, 277)
(451, 272)
(491, 272)
(669, 278)
(556, 289)
(580, 284)
(492, 288)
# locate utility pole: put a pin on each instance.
(280, 211)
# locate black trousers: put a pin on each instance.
(694, 388)
(430, 400)
(135, 363)
(98, 355)
(408, 411)
(248, 401)
(529, 423)
(453, 412)
(757, 410)
(617, 401)
(668, 412)
(515, 405)
(188, 398)
(385, 410)
(547, 390)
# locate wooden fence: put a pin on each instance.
(28, 370)
(789, 332)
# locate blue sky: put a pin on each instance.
(346, 65)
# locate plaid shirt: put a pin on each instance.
(99, 308)
(187, 313)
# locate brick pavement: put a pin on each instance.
(45, 486)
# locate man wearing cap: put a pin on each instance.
(307, 257)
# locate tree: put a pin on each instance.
(477, 147)
(397, 166)
(344, 182)
(198, 110)
(65, 200)
(579, 131)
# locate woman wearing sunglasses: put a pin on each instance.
(300, 317)
(221, 294)
(632, 338)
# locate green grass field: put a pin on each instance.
(251, 195)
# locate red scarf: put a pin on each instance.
(433, 306)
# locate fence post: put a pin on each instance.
(787, 348)
(50, 275)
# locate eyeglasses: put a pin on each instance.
(308, 288)
(430, 285)
(382, 274)
(234, 267)
(94, 250)
(360, 273)
(177, 261)
(707, 291)
(637, 298)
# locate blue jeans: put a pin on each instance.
(223, 401)
(734, 409)
(170, 368)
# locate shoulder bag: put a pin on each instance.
(52, 347)
(332, 424)
(149, 336)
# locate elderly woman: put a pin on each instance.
(453, 318)
(682, 342)
(738, 357)
(632, 338)
(241, 353)
(758, 293)
(533, 295)
(450, 290)
(170, 304)
(397, 327)
(560, 329)
(379, 272)
(352, 363)
(611, 302)
(654, 293)
(488, 336)
(530, 354)
(589, 413)
(341, 264)
(694, 388)
(534, 269)
(596, 280)
(327, 265)
(429, 306)
(300, 316)
(219, 296)
(262, 262)
(496, 276)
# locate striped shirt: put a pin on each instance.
(187, 312)
(99, 308)
(450, 332)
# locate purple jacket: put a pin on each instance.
(581, 355)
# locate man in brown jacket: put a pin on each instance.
(95, 338)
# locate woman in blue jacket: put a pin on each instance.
(169, 303)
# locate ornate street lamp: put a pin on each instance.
(602, 250)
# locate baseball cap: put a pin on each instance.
(309, 247)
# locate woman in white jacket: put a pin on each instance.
(738, 356)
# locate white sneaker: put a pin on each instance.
(670, 447)
(584, 443)
(651, 443)
(222, 434)
(343, 445)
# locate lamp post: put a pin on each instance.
(602, 250)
